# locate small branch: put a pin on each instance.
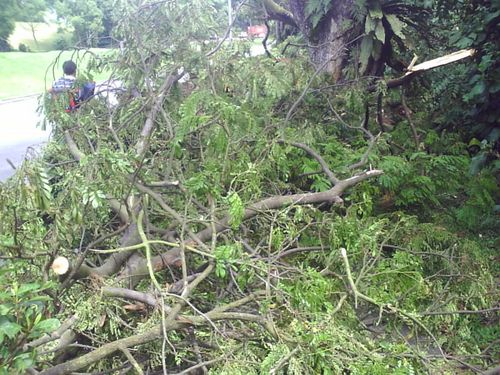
(428, 65)
(130, 294)
(191, 370)
(324, 166)
(264, 41)
(460, 312)
(380, 118)
(226, 34)
(73, 148)
(163, 183)
(67, 324)
(280, 201)
(132, 361)
(410, 121)
(283, 361)
(364, 158)
(149, 124)
(298, 250)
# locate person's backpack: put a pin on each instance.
(79, 96)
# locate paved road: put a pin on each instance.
(18, 132)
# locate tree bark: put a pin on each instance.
(326, 40)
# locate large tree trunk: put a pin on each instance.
(328, 39)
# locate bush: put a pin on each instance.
(24, 48)
(61, 43)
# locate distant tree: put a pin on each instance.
(7, 24)
(32, 12)
(91, 20)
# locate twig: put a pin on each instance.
(389, 308)
(458, 312)
(199, 365)
(283, 361)
(264, 41)
(408, 117)
(228, 30)
(309, 83)
(132, 361)
(334, 180)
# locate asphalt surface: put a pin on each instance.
(19, 135)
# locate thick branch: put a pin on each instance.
(149, 124)
(53, 336)
(281, 201)
(428, 65)
(277, 12)
(153, 334)
(146, 298)
(172, 257)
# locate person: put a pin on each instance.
(66, 82)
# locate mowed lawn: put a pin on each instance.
(25, 73)
(46, 36)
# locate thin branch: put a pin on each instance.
(283, 361)
(226, 34)
(67, 324)
(408, 117)
(298, 250)
(191, 370)
(461, 312)
(324, 166)
(337, 53)
(132, 361)
(149, 124)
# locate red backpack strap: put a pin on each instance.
(73, 104)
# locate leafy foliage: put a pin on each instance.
(24, 317)
(375, 284)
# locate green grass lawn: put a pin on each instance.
(32, 73)
(46, 36)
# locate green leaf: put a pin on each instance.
(380, 31)
(23, 362)
(396, 25)
(236, 210)
(369, 24)
(47, 326)
(365, 52)
(25, 288)
(9, 329)
(5, 309)
(491, 16)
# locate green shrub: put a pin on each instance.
(61, 43)
(24, 48)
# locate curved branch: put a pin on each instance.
(149, 124)
(280, 201)
(324, 166)
(226, 34)
(277, 12)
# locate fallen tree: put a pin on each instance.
(244, 204)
